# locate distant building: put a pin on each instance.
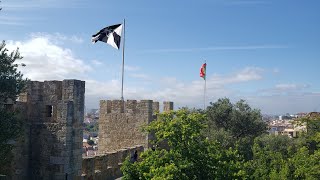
(313, 115)
(301, 114)
(286, 125)
(85, 138)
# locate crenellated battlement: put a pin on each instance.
(46, 101)
(120, 123)
(133, 106)
(54, 112)
(52, 91)
(52, 144)
(129, 106)
(167, 106)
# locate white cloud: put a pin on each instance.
(14, 5)
(168, 80)
(58, 38)
(170, 88)
(111, 89)
(275, 70)
(215, 48)
(76, 39)
(46, 60)
(9, 20)
(246, 74)
(96, 62)
(140, 76)
(131, 68)
(281, 104)
(284, 89)
(290, 87)
(193, 93)
(14, 8)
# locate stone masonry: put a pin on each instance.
(106, 166)
(120, 123)
(52, 144)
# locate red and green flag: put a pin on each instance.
(203, 71)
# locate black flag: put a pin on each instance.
(110, 35)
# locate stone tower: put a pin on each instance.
(120, 123)
(52, 146)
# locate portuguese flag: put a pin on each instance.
(203, 71)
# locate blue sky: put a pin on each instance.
(264, 51)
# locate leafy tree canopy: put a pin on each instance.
(189, 154)
(281, 157)
(11, 85)
(239, 119)
(11, 80)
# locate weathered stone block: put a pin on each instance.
(155, 107)
(167, 106)
(55, 112)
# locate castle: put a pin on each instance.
(120, 123)
(51, 148)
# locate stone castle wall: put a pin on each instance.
(106, 166)
(120, 123)
(51, 147)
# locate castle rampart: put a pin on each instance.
(51, 147)
(107, 166)
(120, 123)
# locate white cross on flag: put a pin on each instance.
(110, 35)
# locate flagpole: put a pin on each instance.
(205, 86)
(124, 31)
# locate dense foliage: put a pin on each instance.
(193, 144)
(234, 125)
(237, 119)
(280, 157)
(188, 155)
(11, 85)
(11, 80)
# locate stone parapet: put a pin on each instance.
(121, 122)
(167, 106)
(155, 107)
(107, 166)
(129, 106)
(52, 145)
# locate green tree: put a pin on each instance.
(11, 85)
(12, 82)
(312, 135)
(189, 155)
(239, 119)
(306, 160)
(281, 157)
(234, 124)
(270, 157)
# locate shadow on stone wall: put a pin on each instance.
(51, 147)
